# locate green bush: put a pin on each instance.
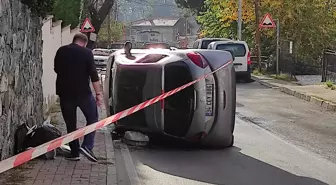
(330, 85)
(286, 77)
(40, 7)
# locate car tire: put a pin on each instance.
(232, 141)
(248, 78)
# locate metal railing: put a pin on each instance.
(329, 66)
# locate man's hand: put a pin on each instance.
(99, 100)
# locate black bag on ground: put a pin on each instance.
(21, 136)
(42, 135)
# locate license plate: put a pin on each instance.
(209, 100)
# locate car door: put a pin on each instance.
(240, 52)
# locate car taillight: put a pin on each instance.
(249, 62)
(197, 59)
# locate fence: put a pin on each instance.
(288, 63)
(329, 66)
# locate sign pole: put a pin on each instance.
(277, 45)
(88, 29)
(268, 22)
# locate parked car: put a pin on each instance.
(101, 55)
(204, 111)
(117, 45)
(156, 45)
(204, 42)
(242, 61)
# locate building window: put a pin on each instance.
(188, 31)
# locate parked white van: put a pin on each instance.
(204, 42)
(242, 61)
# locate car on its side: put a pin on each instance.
(203, 112)
(204, 42)
(242, 56)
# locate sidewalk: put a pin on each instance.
(316, 94)
(63, 172)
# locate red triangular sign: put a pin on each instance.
(87, 26)
(267, 22)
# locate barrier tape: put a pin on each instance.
(32, 153)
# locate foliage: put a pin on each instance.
(330, 85)
(285, 77)
(196, 6)
(116, 32)
(39, 7)
(68, 11)
(258, 73)
(310, 24)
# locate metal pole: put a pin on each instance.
(109, 29)
(186, 31)
(277, 45)
(239, 19)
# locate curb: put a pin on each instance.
(111, 178)
(310, 98)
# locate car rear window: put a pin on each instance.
(238, 49)
(205, 43)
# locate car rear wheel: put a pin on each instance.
(247, 77)
(232, 141)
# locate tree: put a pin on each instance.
(196, 5)
(96, 10)
(310, 24)
(116, 32)
(68, 11)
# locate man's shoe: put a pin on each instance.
(88, 154)
(72, 158)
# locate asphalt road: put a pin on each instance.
(279, 140)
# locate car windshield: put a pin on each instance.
(99, 52)
(117, 46)
(238, 49)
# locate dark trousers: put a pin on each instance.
(88, 106)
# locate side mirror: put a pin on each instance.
(232, 53)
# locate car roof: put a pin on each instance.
(224, 39)
(100, 57)
(229, 42)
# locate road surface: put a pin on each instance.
(279, 140)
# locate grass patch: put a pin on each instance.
(330, 85)
(53, 119)
(285, 77)
(259, 73)
(55, 108)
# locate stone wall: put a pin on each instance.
(21, 96)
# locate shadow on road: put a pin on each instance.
(228, 167)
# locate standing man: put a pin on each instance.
(75, 67)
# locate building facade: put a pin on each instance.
(173, 31)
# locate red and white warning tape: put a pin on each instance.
(51, 145)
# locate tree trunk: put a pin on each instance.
(97, 16)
